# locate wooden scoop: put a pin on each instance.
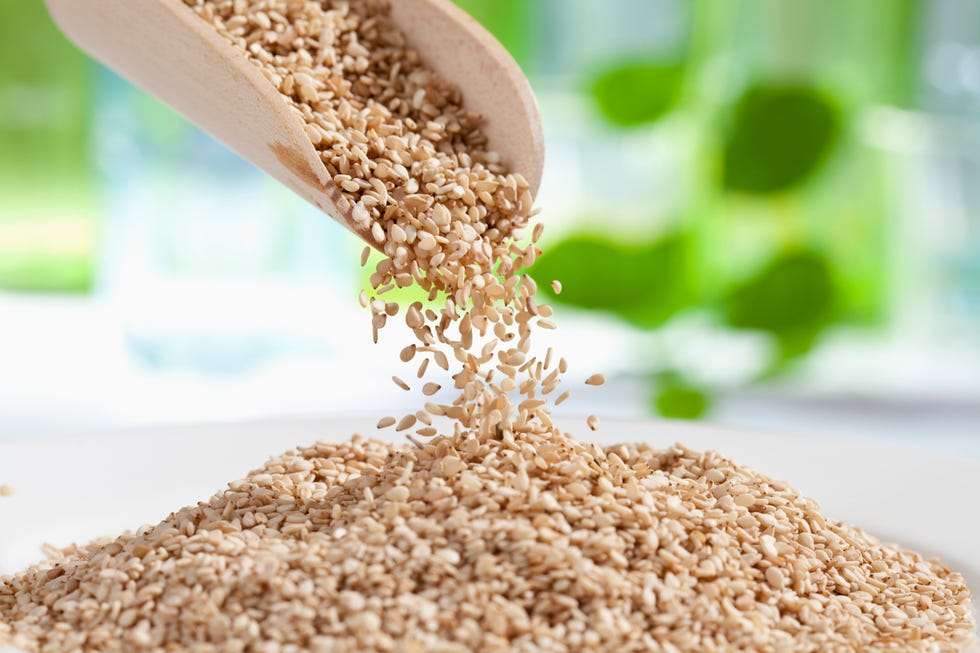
(164, 47)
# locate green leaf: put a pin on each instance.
(793, 297)
(779, 135)
(645, 284)
(637, 93)
(676, 398)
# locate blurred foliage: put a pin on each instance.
(643, 284)
(792, 292)
(47, 227)
(637, 93)
(779, 135)
(508, 20)
(676, 398)
(793, 298)
(47, 275)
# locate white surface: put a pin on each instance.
(75, 489)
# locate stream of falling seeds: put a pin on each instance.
(414, 167)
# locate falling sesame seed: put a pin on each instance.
(537, 232)
(401, 384)
(385, 422)
(441, 360)
(406, 422)
(595, 379)
(593, 422)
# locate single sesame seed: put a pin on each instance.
(399, 493)
(401, 384)
(406, 422)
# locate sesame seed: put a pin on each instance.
(401, 384)
(406, 422)
(399, 493)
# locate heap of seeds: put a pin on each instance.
(470, 544)
(501, 533)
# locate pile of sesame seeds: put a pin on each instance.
(489, 530)
(536, 543)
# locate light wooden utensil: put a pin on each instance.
(165, 48)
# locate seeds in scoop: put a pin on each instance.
(595, 379)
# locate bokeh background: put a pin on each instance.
(765, 213)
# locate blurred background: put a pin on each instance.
(765, 213)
